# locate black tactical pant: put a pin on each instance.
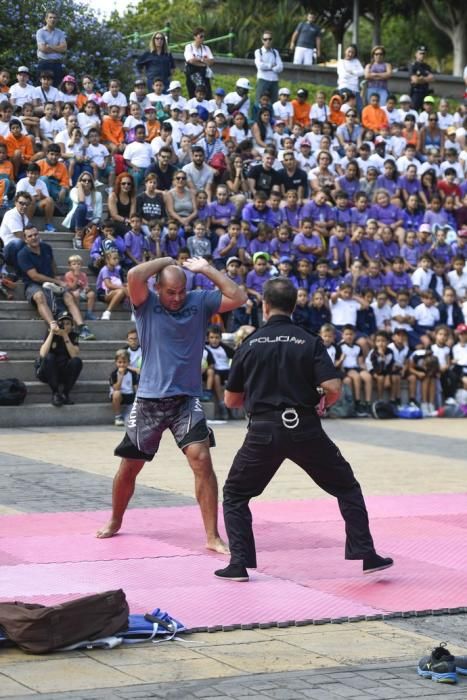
(267, 444)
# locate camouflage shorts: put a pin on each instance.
(149, 418)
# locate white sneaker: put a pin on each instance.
(431, 408)
(106, 316)
(132, 317)
(426, 410)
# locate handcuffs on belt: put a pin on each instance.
(290, 418)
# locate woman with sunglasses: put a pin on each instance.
(180, 202)
(158, 62)
(377, 73)
(86, 208)
(198, 62)
(430, 136)
(122, 203)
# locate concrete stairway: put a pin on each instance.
(21, 335)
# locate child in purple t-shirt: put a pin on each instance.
(262, 242)
(339, 246)
(440, 250)
(258, 276)
(135, 243)
(388, 248)
(307, 243)
(397, 279)
(172, 241)
(282, 244)
(370, 246)
(410, 251)
(221, 211)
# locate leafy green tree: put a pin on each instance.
(450, 17)
(94, 46)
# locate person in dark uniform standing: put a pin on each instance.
(280, 373)
(421, 75)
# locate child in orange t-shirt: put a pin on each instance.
(153, 127)
(19, 147)
(4, 81)
(301, 108)
(112, 134)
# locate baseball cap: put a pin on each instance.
(425, 228)
(279, 121)
(305, 142)
(301, 92)
(285, 259)
(284, 91)
(422, 47)
(64, 316)
(451, 130)
(139, 81)
(405, 98)
(176, 107)
(243, 83)
(461, 328)
(261, 254)
(174, 84)
(68, 79)
(193, 111)
(151, 108)
(233, 258)
(23, 69)
(400, 330)
(379, 139)
(219, 91)
(430, 99)
(218, 112)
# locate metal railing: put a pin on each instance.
(136, 36)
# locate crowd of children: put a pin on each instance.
(370, 224)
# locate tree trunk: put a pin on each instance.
(376, 23)
(459, 43)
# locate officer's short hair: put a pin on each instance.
(280, 294)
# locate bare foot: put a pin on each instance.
(218, 545)
(108, 530)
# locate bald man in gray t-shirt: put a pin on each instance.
(172, 325)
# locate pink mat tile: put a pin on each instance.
(160, 561)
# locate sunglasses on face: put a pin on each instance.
(126, 184)
(182, 179)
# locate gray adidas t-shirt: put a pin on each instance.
(172, 344)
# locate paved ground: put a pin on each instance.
(72, 469)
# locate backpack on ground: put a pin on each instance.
(410, 412)
(12, 392)
(383, 410)
(39, 629)
(344, 407)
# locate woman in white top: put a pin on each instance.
(86, 207)
(198, 59)
(349, 72)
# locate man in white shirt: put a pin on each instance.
(22, 91)
(269, 64)
(239, 101)
(12, 228)
(138, 155)
(41, 202)
(200, 176)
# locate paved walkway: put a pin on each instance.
(72, 469)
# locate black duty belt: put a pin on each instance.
(289, 415)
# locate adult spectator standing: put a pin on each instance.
(377, 74)
(51, 48)
(268, 64)
(198, 62)
(59, 364)
(349, 72)
(306, 41)
(284, 424)
(171, 325)
(158, 62)
(37, 264)
(421, 75)
(239, 100)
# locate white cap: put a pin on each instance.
(174, 85)
(23, 69)
(284, 91)
(243, 83)
(217, 112)
(193, 111)
(405, 98)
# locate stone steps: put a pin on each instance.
(90, 391)
(29, 349)
(97, 370)
(23, 310)
(33, 329)
(44, 414)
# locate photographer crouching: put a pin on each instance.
(59, 364)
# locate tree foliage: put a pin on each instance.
(94, 47)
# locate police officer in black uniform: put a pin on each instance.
(278, 373)
(421, 75)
